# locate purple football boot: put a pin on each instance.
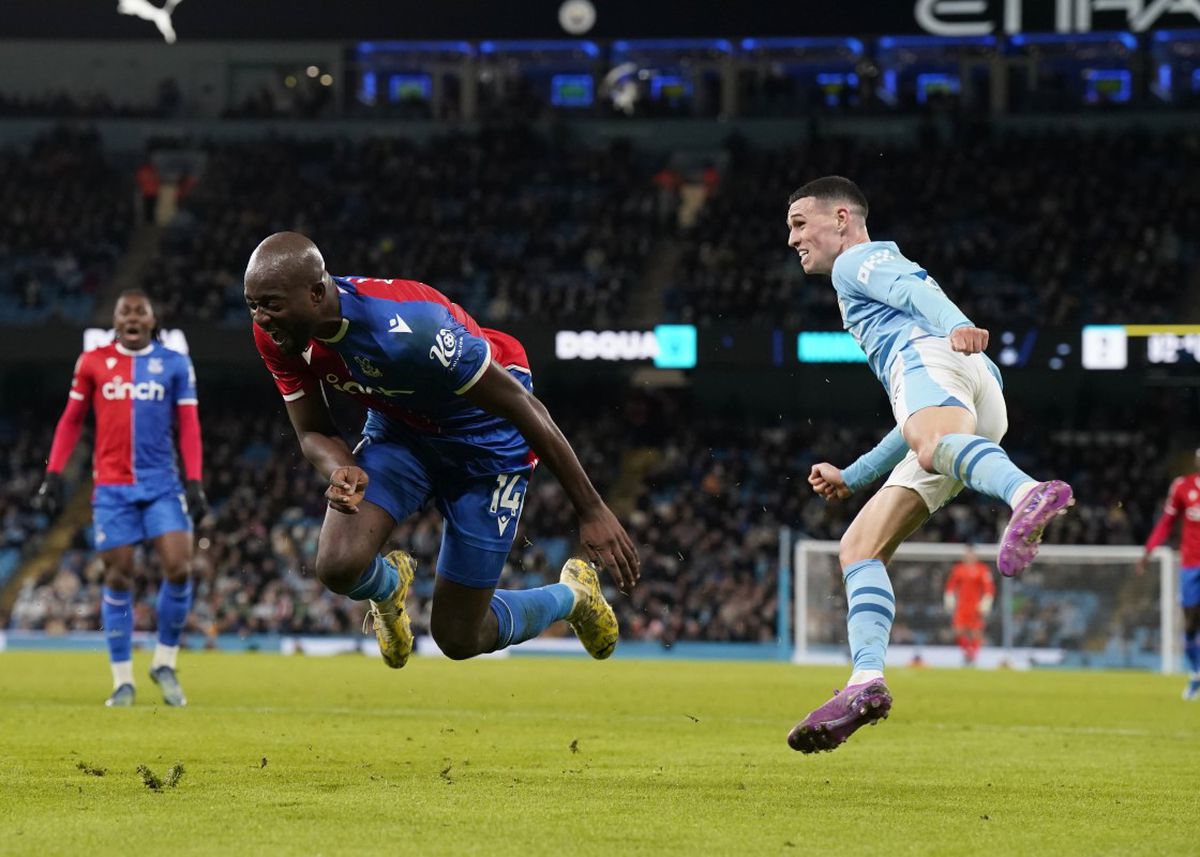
(839, 718)
(1019, 545)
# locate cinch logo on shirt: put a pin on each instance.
(355, 388)
(117, 390)
(871, 263)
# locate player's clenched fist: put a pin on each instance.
(968, 340)
(347, 485)
(827, 481)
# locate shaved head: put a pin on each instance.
(289, 293)
(286, 259)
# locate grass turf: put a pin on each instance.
(538, 756)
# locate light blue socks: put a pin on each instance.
(871, 608)
(981, 465)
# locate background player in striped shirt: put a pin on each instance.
(451, 420)
(968, 597)
(1183, 504)
(950, 414)
(139, 391)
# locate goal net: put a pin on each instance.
(1076, 606)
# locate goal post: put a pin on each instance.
(1077, 605)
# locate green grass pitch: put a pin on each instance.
(565, 756)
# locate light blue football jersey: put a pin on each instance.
(887, 300)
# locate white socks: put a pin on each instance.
(1021, 493)
(164, 656)
(122, 672)
(864, 675)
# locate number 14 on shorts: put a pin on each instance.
(506, 500)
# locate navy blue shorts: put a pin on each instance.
(128, 514)
(1189, 587)
(480, 512)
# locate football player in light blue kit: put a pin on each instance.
(950, 416)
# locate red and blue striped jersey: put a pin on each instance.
(134, 395)
(408, 353)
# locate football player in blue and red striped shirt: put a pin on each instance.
(142, 393)
(451, 420)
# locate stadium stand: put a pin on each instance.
(706, 516)
(65, 219)
(511, 224)
(994, 216)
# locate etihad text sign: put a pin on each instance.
(985, 17)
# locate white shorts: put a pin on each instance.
(928, 373)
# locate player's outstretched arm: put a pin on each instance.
(602, 535)
(871, 465)
(325, 450)
(922, 298)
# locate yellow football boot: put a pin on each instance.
(392, 627)
(592, 619)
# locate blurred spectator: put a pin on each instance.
(146, 177)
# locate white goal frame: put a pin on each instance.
(805, 549)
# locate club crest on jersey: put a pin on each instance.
(154, 365)
(445, 347)
(368, 368)
(110, 362)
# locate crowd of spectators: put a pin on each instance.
(714, 491)
(22, 443)
(1028, 229)
(65, 218)
(516, 224)
(509, 223)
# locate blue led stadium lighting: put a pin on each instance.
(1196, 80)
(565, 46)
(427, 47)
(1101, 81)
(405, 86)
(628, 46)
(833, 84)
(1164, 79)
(1176, 36)
(369, 88)
(670, 86)
(1019, 40)
(936, 84)
(887, 43)
(835, 78)
(572, 90)
(785, 43)
(890, 79)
